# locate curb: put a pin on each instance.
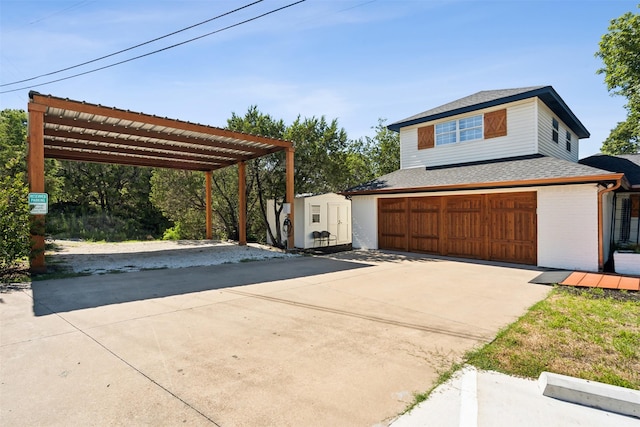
(593, 394)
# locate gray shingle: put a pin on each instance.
(492, 172)
(491, 98)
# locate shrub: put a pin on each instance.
(14, 220)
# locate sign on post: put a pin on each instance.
(38, 203)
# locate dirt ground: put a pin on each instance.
(101, 258)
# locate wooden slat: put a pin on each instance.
(426, 137)
(629, 283)
(53, 153)
(495, 124)
(125, 132)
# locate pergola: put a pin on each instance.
(72, 130)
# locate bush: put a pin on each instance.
(15, 241)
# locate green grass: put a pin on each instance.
(592, 334)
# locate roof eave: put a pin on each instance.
(547, 94)
(488, 185)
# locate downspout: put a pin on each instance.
(601, 193)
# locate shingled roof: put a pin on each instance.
(520, 171)
(629, 164)
(492, 98)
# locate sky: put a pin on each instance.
(355, 61)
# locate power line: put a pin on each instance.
(159, 50)
(132, 47)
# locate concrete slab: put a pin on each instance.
(345, 340)
(504, 401)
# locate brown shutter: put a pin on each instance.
(425, 137)
(495, 124)
(635, 206)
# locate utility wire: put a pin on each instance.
(159, 50)
(132, 47)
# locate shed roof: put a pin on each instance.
(520, 171)
(491, 98)
(76, 130)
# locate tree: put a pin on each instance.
(14, 209)
(619, 51)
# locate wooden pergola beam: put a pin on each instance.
(35, 171)
(114, 159)
(242, 203)
(290, 193)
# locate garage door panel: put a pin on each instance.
(513, 227)
(463, 226)
(392, 224)
(424, 225)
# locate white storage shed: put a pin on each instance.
(320, 220)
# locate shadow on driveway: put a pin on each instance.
(64, 295)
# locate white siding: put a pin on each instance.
(520, 140)
(567, 223)
(364, 222)
(546, 145)
(568, 227)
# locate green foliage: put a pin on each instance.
(180, 196)
(619, 52)
(14, 209)
(14, 218)
(118, 194)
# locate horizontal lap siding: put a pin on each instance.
(521, 139)
(546, 145)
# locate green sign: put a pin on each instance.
(38, 203)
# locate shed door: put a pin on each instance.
(338, 222)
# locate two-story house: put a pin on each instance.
(492, 176)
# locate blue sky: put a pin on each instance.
(356, 61)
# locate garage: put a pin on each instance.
(495, 227)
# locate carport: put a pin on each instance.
(65, 129)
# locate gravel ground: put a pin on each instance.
(100, 258)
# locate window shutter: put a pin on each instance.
(495, 124)
(425, 137)
(635, 206)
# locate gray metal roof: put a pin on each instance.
(510, 172)
(491, 98)
(629, 164)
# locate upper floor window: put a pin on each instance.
(554, 132)
(467, 129)
(568, 141)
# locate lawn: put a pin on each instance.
(587, 333)
(591, 333)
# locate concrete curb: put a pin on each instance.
(591, 393)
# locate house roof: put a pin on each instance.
(523, 171)
(629, 164)
(492, 98)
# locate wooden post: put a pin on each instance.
(242, 204)
(35, 171)
(290, 193)
(209, 213)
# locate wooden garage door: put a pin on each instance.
(392, 224)
(512, 227)
(498, 227)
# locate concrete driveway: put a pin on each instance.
(316, 341)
